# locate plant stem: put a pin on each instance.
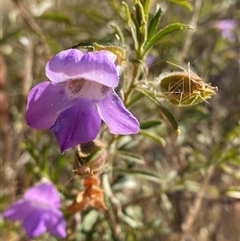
(194, 209)
(189, 38)
(33, 26)
(132, 85)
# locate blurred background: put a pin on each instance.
(191, 187)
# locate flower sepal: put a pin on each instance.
(90, 159)
(118, 51)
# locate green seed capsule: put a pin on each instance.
(185, 88)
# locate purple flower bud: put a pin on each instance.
(150, 60)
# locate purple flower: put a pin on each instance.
(38, 211)
(226, 28)
(80, 93)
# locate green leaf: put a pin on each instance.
(164, 110)
(57, 17)
(140, 15)
(7, 36)
(89, 220)
(231, 170)
(232, 155)
(100, 17)
(183, 3)
(133, 223)
(129, 156)
(167, 30)
(233, 192)
(146, 5)
(131, 25)
(149, 124)
(150, 176)
(127, 12)
(141, 22)
(119, 33)
(134, 99)
(152, 136)
(52, 44)
(154, 23)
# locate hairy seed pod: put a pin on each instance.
(185, 88)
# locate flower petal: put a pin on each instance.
(113, 58)
(55, 223)
(18, 211)
(45, 102)
(43, 192)
(34, 224)
(73, 64)
(64, 65)
(116, 116)
(97, 67)
(78, 124)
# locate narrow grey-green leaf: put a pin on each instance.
(149, 124)
(134, 34)
(167, 30)
(129, 156)
(131, 25)
(152, 136)
(134, 99)
(127, 12)
(233, 192)
(154, 23)
(150, 176)
(140, 15)
(130, 221)
(57, 17)
(52, 44)
(5, 38)
(183, 3)
(164, 110)
(141, 24)
(119, 33)
(92, 13)
(146, 5)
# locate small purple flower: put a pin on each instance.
(38, 211)
(226, 28)
(80, 93)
